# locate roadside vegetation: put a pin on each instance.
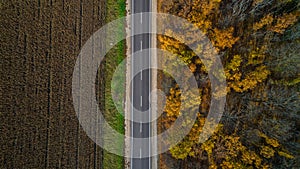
(114, 10)
(258, 42)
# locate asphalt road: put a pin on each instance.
(140, 86)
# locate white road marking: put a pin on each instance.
(142, 75)
(140, 152)
(141, 126)
(141, 101)
(141, 45)
(141, 17)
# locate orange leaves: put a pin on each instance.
(193, 67)
(224, 38)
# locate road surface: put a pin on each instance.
(140, 85)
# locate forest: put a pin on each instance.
(258, 43)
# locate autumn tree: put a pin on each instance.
(258, 44)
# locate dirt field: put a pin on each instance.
(40, 41)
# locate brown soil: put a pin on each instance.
(40, 41)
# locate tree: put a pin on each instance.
(258, 43)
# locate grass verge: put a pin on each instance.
(114, 10)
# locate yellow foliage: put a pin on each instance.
(224, 38)
(173, 103)
(284, 22)
(236, 154)
(250, 157)
(253, 78)
(283, 154)
(243, 72)
(200, 21)
(267, 20)
(213, 166)
(201, 16)
(179, 51)
(281, 23)
(268, 140)
(256, 56)
(265, 166)
(267, 151)
(172, 110)
(234, 72)
(208, 147)
(234, 64)
(201, 12)
(181, 150)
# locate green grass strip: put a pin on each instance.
(115, 9)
